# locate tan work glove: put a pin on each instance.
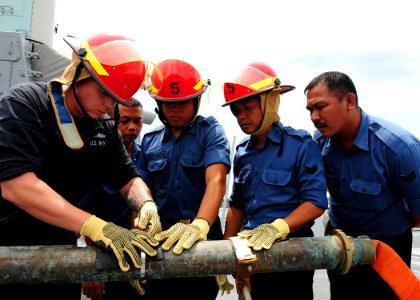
(224, 284)
(119, 240)
(148, 218)
(264, 235)
(185, 234)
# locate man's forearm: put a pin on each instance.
(136, 192)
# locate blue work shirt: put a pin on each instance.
(107, 203)
(376, 182)
(174, 168)
(272, 182)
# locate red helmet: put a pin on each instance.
(256, 78)
(176, 80)
(113, 61)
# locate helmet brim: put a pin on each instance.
(173, 100)
(73, 42)
(283, 89)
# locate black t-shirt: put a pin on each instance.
(30, 141)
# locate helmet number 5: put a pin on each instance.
(174, 88)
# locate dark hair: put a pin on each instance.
(116, 113)
(336, 82)
(134, 102)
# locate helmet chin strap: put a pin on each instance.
(116, 119)
(163, 119)
(158, 111)
(76, 74)
(85, 114)
(197, 106)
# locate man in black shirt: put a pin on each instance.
(54, 139)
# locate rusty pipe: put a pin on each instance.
(64, 264)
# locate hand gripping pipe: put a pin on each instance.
(64, 264)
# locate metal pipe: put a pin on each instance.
(64, 264)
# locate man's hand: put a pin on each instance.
(119, 240)
(264, 235)
(148, 218)
(184, 234)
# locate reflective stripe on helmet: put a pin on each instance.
(263, 83)
(97, 66)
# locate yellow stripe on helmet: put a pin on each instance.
(154, 90)
(198, 86)
(97, 66)
(262, 83)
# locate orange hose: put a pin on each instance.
(389, 265)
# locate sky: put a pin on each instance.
(376, 43)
